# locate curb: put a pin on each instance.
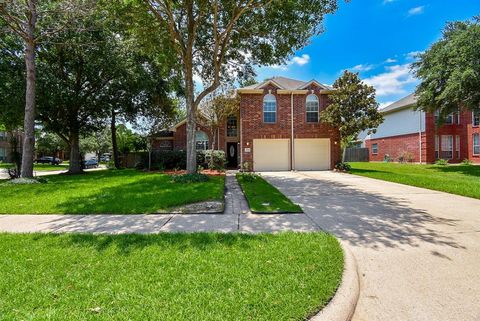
(343, 304)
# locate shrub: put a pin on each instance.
(190, 178)
(245, 167)
(441, 162)
(248, 176)
(466, 161)
(343, 167)
(139, 166)
(405, 157)
(167, 159)
(201, 158)
(216, 159)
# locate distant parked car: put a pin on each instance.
(91, 163)
(48, 160)
(105, 158)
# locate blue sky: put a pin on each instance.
(376, 38)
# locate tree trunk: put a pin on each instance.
(113, 128)
(29, 119)
(75, 157)
(191, 121)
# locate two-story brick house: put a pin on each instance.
(414, 132)
(278, 128)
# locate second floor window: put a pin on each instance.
(269, 109)
(232, 126)
(476, 118)
(312, 108)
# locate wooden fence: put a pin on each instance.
(356, 154)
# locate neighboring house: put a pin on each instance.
(413, 135)
(6, 147)
(265, 135)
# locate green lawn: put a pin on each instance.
(201, 276)
(456, 179)
(262, 197)
(108, 191)
(40, 167)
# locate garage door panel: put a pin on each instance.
(312, 154)
(271, 154)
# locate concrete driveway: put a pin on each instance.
(418, 250)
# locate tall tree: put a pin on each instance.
(35, 21)
(221, 40)
(215, 110)
(450, 70)
(353, 108)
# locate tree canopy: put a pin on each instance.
(450, 70)
(353, 107)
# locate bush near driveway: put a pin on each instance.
(201, 276)
(456, 179)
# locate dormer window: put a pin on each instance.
(269, 109)
(312, 108)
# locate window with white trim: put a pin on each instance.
(232, 126)
(201, 140)
(476, 144)
(457, 146)
(269, 109)
(476, 118)
(312, 108)
(375, 149)
(447, 146)
(449, 119)
(437, 146)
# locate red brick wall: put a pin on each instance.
(253, 127)
(395, 146)
(180, 137)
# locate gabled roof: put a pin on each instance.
(287, 84)
(405, 102)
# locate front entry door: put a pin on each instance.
(232, 155)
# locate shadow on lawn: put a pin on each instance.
(126, 243)
(469, 170)
(363, 218)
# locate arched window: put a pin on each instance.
(312, 109)
(201, 140)
(269, 109)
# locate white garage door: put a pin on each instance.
(271, 154)
(312, 154)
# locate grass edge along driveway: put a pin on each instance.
(461, 180)
(107, 192)
(177, 276)
(262, 197)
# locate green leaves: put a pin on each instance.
(353, 107)
(450, 70)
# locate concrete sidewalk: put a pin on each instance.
(4, 175)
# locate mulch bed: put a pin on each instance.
(210, 172)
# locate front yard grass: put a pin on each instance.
(262, 197)
(106, 192)
(201, 276)
(39, 167)
(456, 179)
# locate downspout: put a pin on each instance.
(241, 140)
(420, 135)
(292, 152)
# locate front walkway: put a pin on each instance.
(418, 250)
(237, 218)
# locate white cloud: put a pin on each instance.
(393, 81)
(416, 10)
(390, 60)
(303, 60)
(388, 1)
(297, 60)
(362, 67)
(413, 54)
